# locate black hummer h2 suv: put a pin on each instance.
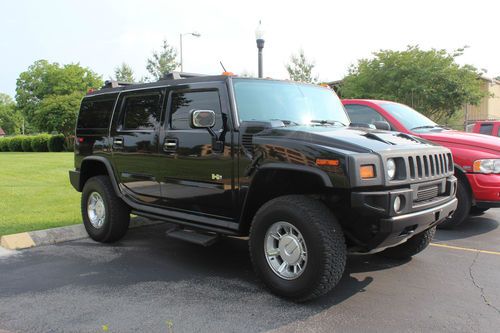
(276, 161)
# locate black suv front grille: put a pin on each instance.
(427, 193)
(427, 166)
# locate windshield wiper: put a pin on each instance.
(327, 122)
(425, 126)
(287, 122)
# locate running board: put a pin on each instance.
(193, 236)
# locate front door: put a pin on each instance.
(135, 144)
(196, 176)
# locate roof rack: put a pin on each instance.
(116, 84)
(180, 75)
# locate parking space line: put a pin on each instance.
(464, 248)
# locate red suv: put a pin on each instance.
(488, 127)
(476, 156)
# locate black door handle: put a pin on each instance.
(170, 145)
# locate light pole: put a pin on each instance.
(259, 36)
(195, 34)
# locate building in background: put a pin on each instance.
(2, 132)
(489, 107)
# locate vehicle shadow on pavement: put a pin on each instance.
(156, 277)
(229, 259)
(473, 226)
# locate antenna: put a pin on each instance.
(224, 68)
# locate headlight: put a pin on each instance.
(391, 168)
(487, 166)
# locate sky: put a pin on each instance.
(333, 34)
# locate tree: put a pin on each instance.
(162, 62)
(430, 81)
(300, 69)
(10, 119)
(124, 73)
(44, 83)
(57, 113)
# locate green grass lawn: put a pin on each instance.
(35, 192)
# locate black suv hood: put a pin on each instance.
(362, 140)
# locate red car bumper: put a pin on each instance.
(485, 188)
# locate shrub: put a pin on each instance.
(40, 142)
(26, 143)
(56, 143)
(4, 144)
(69, 145)
(15, 143)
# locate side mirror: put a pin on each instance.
(202, 119)
(382, 125)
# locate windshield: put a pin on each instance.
(293, 103)
(410, 118)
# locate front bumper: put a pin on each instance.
(485, 188)
(417, 214)
(397, 229)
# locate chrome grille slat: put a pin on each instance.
(427, 193)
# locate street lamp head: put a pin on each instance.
(259, 32)
(196, 34)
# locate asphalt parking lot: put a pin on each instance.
(149, 283)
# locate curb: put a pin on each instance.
(25, 240)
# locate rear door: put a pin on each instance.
(194, 175)
(135, 143)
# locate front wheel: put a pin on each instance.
(463, 208)
(105, 216)
(411, 247)
(297, 247)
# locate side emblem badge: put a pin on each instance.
(216, 176)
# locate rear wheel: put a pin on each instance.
(105, 216)
(411, 247)
(463, 208)
(297, 247)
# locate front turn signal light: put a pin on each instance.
(367, 171)
(325, 162)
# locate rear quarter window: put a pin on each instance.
(486, 129)
(96, 113)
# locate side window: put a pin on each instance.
(498, 134)
(183, 103)
(95, 113)
(141, 112)
(363, 114)
(486, 129)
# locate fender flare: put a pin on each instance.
(246, 206)
(327, 182)
(109, 168)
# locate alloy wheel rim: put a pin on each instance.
(285, 250)
(96, 210)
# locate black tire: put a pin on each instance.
(324, 239)
(117, 213)
(411, 247)
(475, 210)
(463, 208)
